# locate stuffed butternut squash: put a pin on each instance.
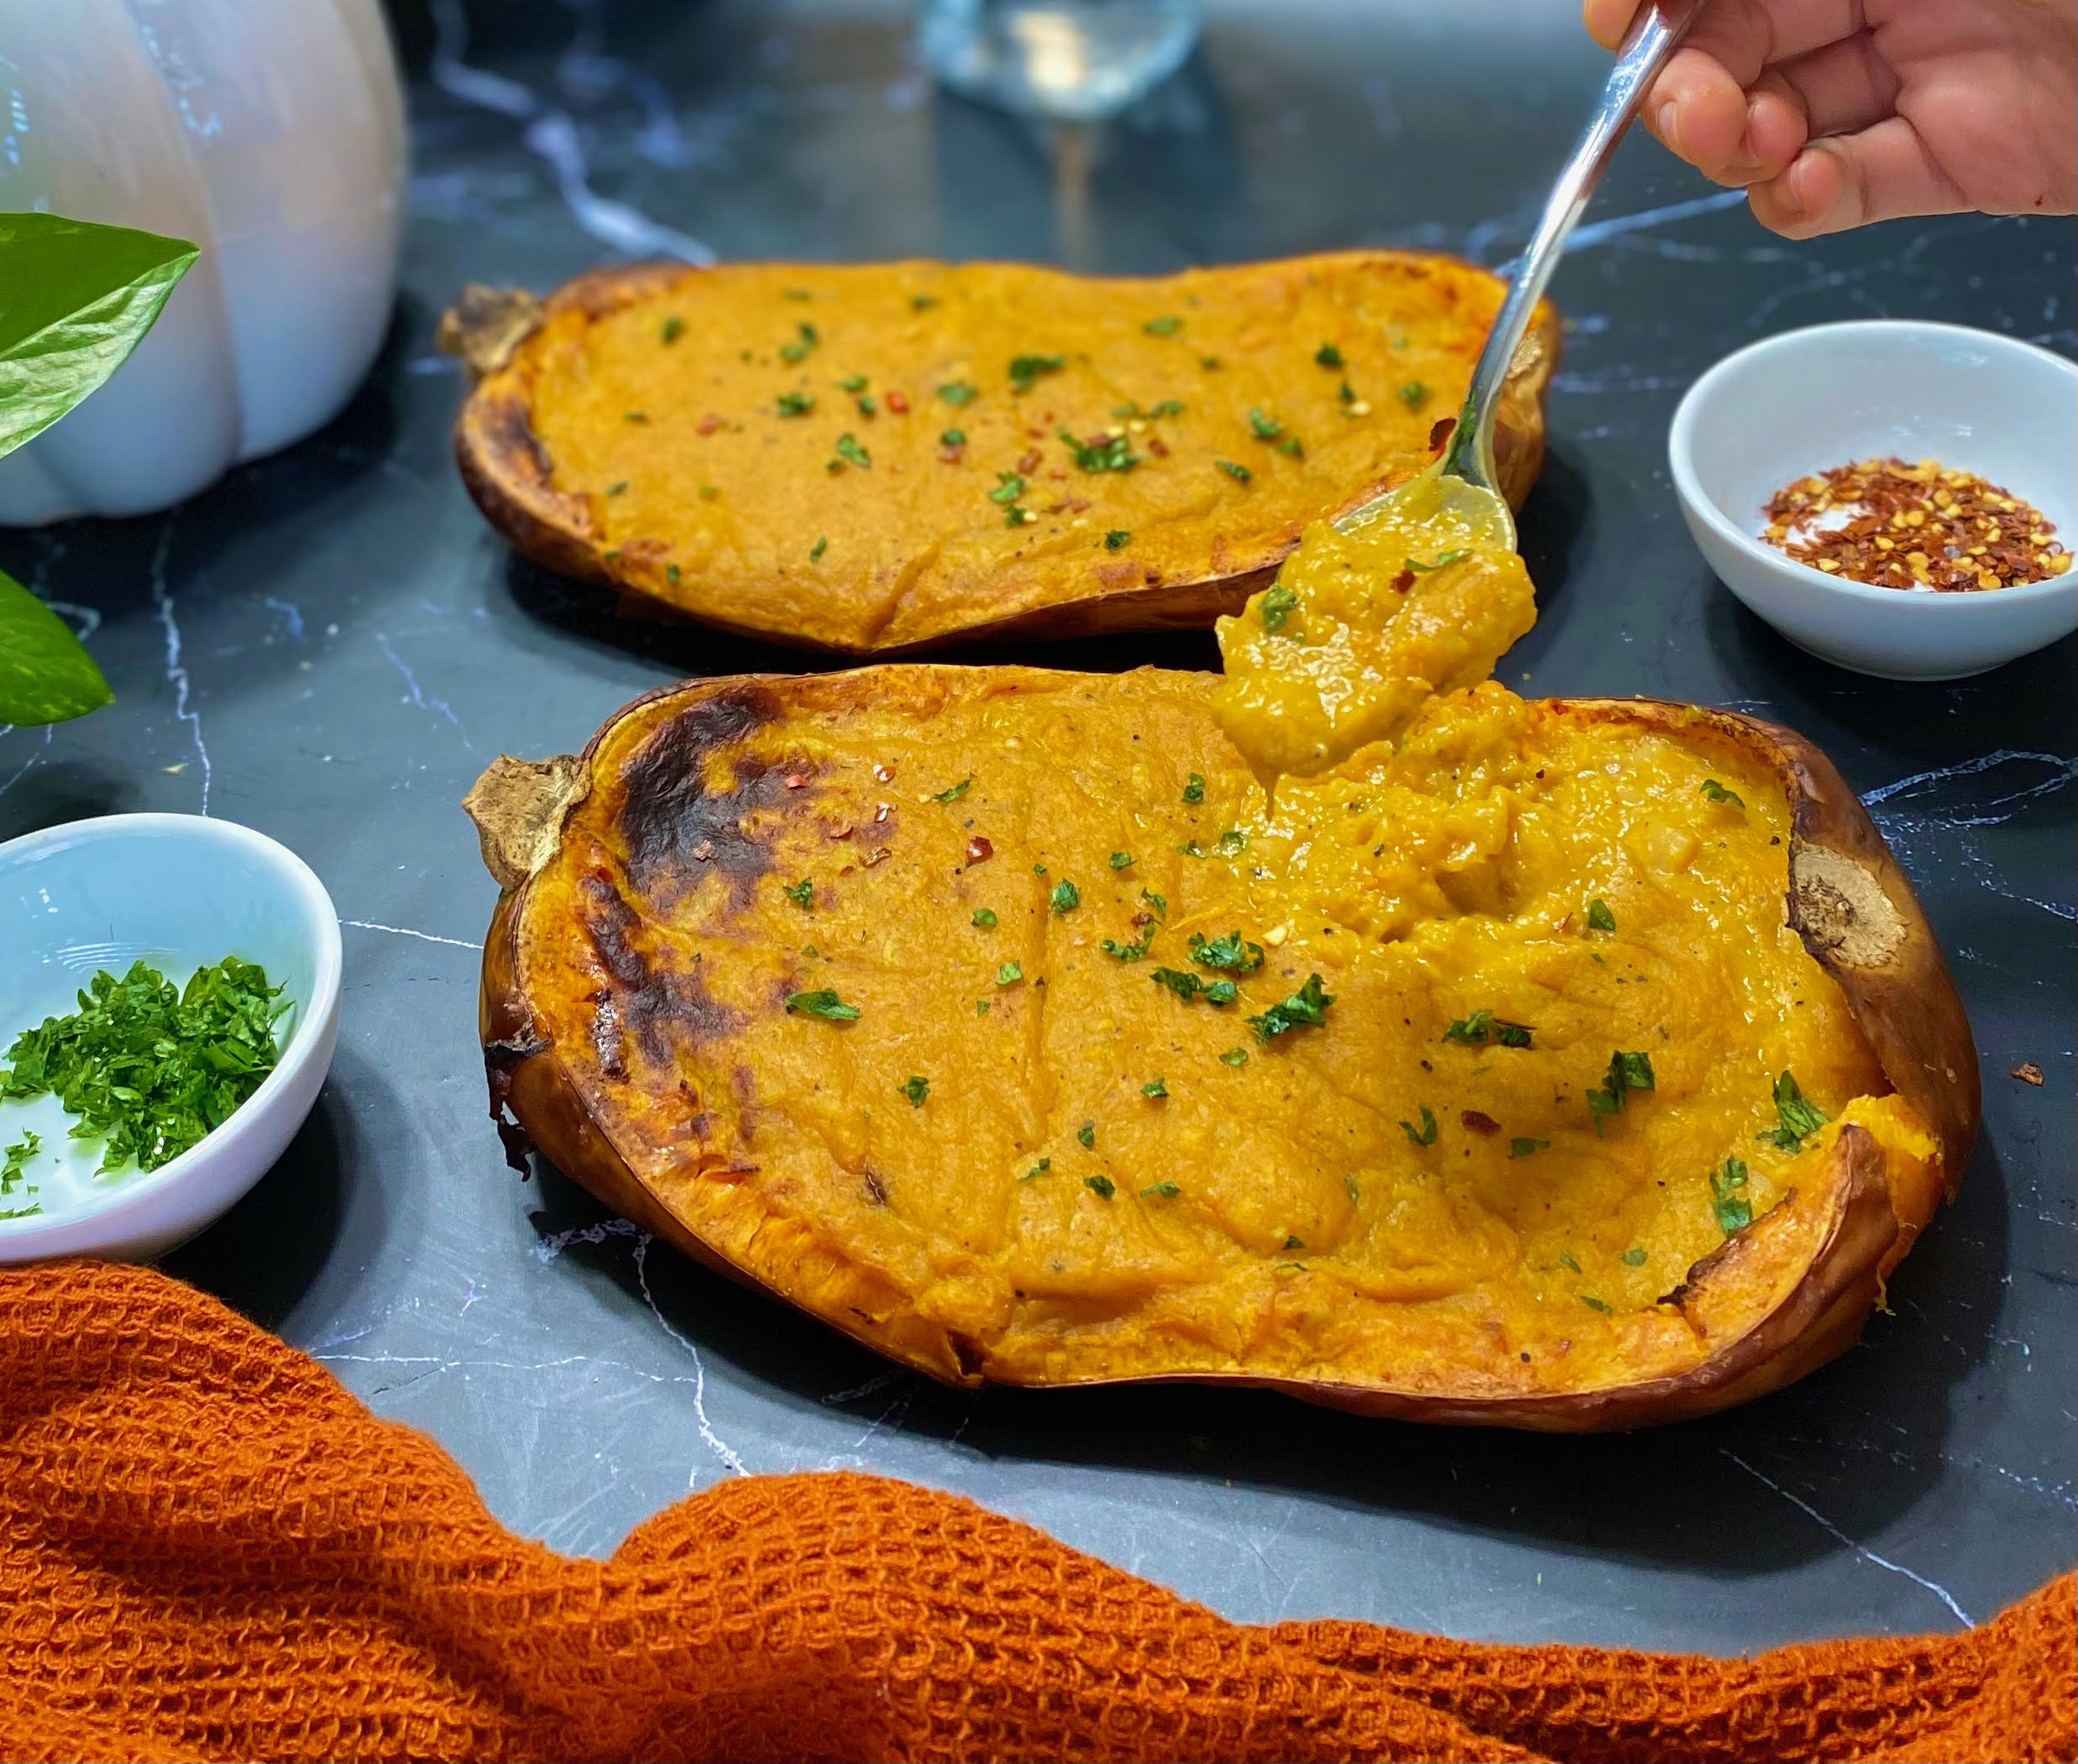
(873, 459)
(1563, 1065)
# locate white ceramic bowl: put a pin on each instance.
(179, 891)
(1808, 401)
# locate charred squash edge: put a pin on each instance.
(509, 474)
(1848, 900)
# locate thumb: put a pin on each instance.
(1848, 180)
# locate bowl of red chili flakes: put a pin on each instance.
(1897, 497)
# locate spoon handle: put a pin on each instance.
(1654, 35)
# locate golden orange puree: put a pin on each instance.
(1363, 627)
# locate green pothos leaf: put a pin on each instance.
(46, 676)
(75, 299)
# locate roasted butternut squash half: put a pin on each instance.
(1564, 1064)
(879, 458)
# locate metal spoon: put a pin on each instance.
(1459, 492)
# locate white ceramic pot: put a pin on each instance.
(272, 134)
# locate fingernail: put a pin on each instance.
(1664, 122)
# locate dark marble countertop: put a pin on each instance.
(330, 644)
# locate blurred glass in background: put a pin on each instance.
(1068, 60)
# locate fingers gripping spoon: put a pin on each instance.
(1460, 494)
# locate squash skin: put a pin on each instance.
(509, 474)
(1861, 923)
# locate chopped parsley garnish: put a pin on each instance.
(1194, 788)
(958, 391)
(1306, 1008)
(805, 338)
(1106, 453)
(850, 451)
(616, 487)
(1159, 901)
(1424, 1134)
(1161, 1191)
(916, 1088)
(1118, 539)
(816, 550)
(1346, 392)
(1595, 1304)
(1066, 897)
(1166, 407)
(1009, 974)
(1227, 845)
(1119, 860)
(824, 1003)
(1626, 1072)
(1026, 369)
(1229, 953)
(1525, 1147)
(1732, 1211)
(1164, 326)
(953, 792)
(981, 1008)
(1009, 486)
(1327, 356)
(985, 917)
(1209, 363)
(673, 329)
(1566, 1261)
(1086, 1135)
(1234, 469)
(1411, 392)
(1442, 557)
(1187, 986)
(1718, 793)
(922, 302)
(148, 1068)
(1291, 1242)
(635, 416)
(796, 404)
(1155, 1087)
(1263, 425)
(1276, 605)
(1234, 1056)
(1600, 917)
(1634, 1256)
(17, 1154)
(853, 383)
(1796, 1117)
(1126, 951)
(1349, 1187)
(1101, 1186)
(801, 893)
(1481, 1027)
(952, 437)
(1039, 1169)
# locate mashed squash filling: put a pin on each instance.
(1004, 1018)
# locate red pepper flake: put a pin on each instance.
(1478, 1122)
(896, 403)
(979, 850)
(1157, 446)
(1029, 460)
(1404, 580)
(1921, 526)
(952, 455)
(1441, 432)
(842, 832)
(880, 813)
(796, 782)
(2028, 1072)
(707, 424)
(884, 773)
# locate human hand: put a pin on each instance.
(1835, 112)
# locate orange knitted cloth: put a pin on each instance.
(209, 1550)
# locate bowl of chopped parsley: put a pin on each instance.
(169, 1003)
